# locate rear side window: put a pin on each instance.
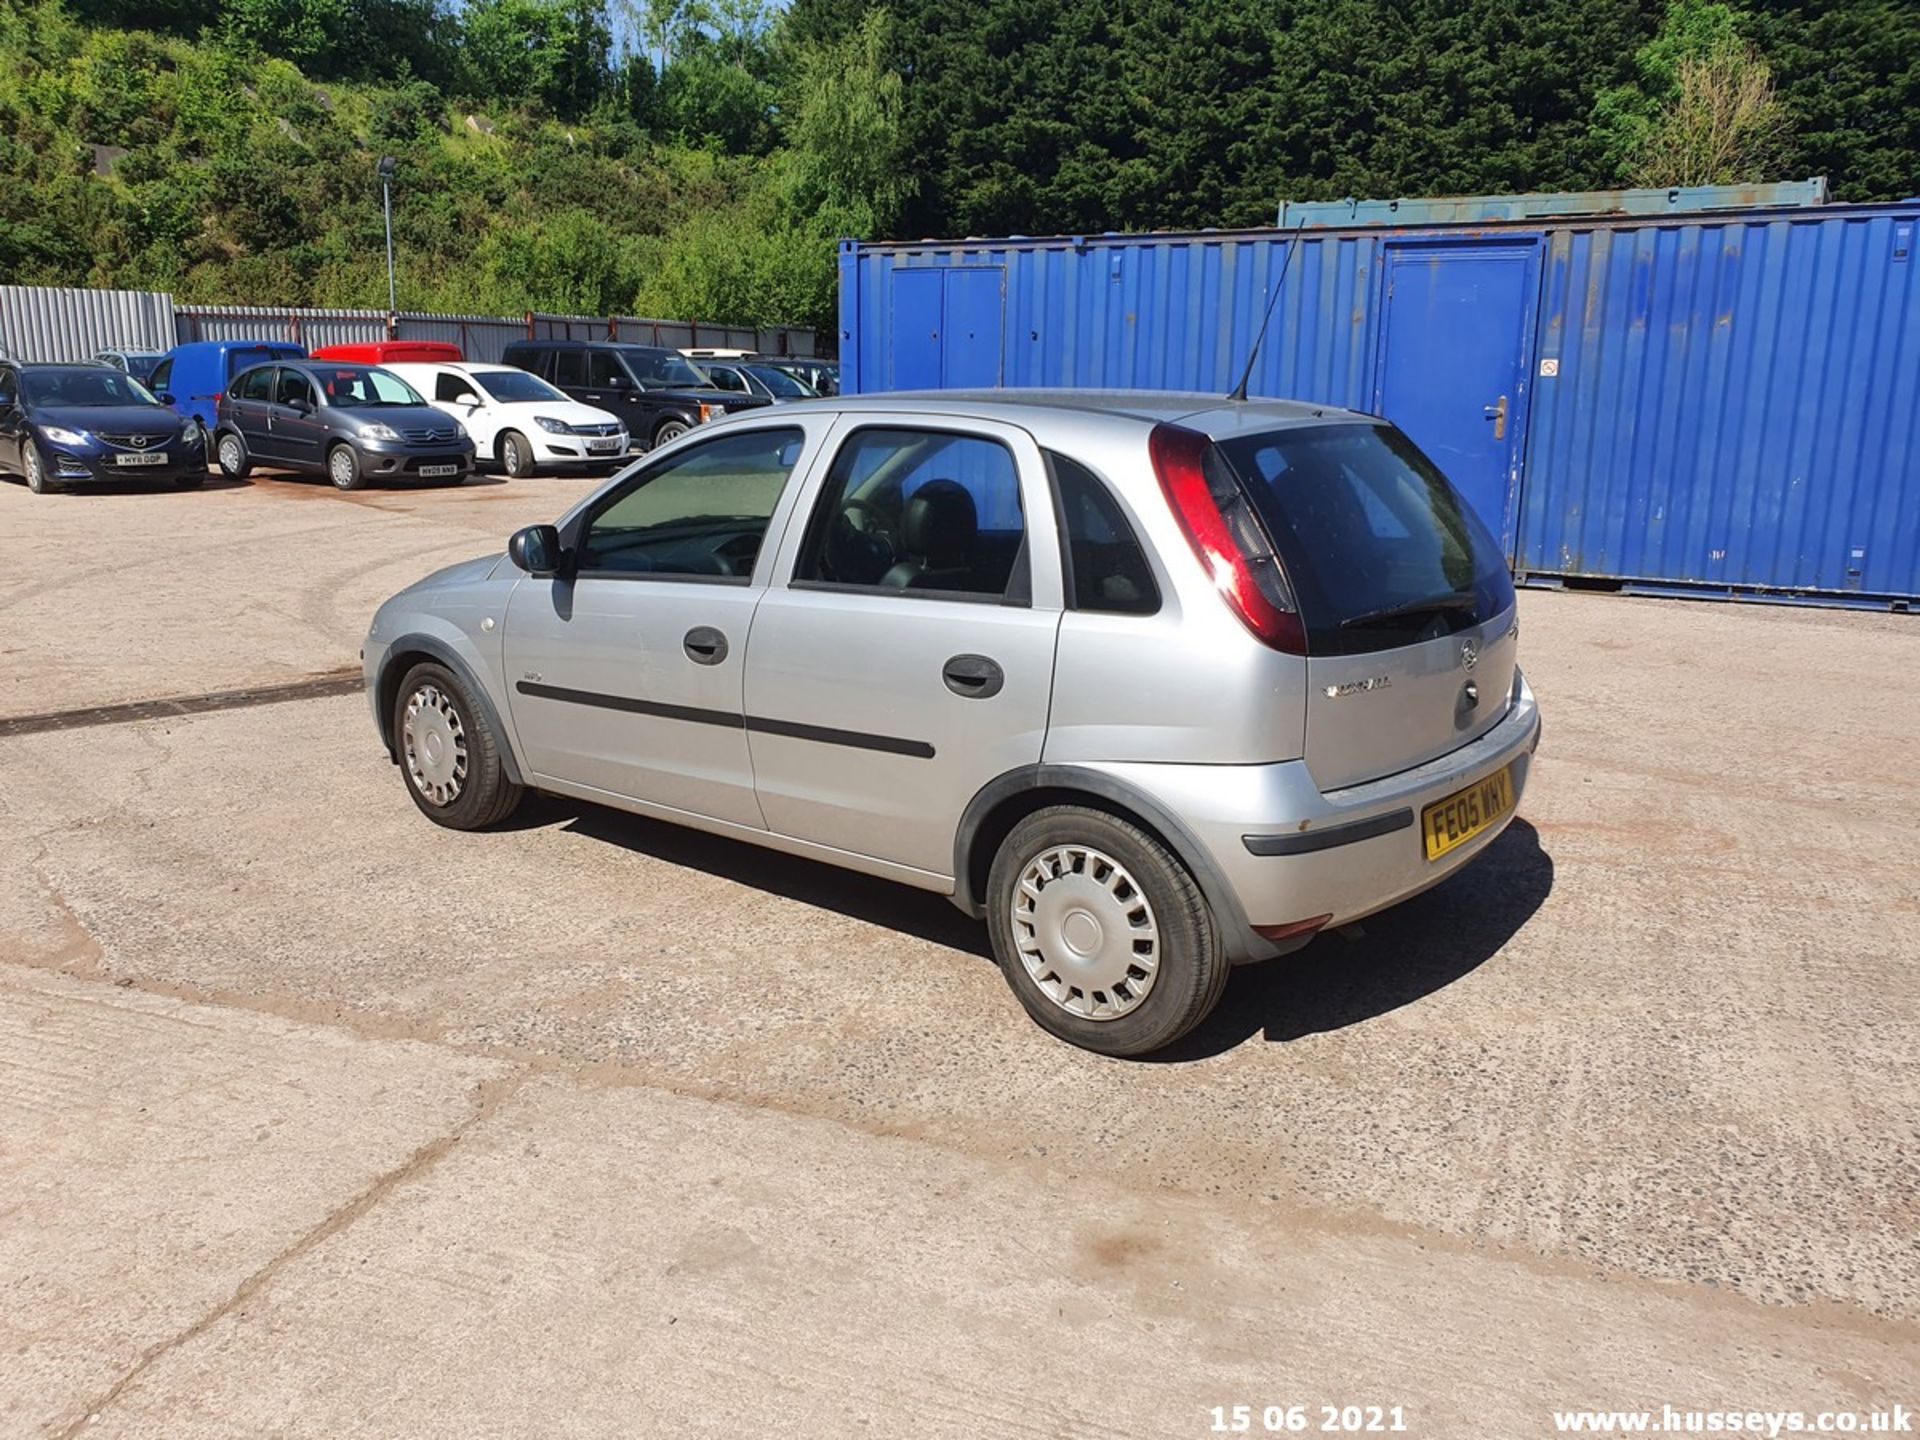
(920, 510)
(1380, 550)
(254, 384)
(1106, 568)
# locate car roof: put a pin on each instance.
(590, 345)
(1212, 414)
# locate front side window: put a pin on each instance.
(1106, 568)
(919, 510)
(663, 368)
(780, 382)
(362, 387)
(162, 373)
(703, 512)
(449, 386)
(295, 389)
(722, 378)
(604, 371)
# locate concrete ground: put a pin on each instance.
(316, 1120)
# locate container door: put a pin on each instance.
(918, 296)
(970, 358)
(1455, 350)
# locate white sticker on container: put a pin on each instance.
(1550, 367)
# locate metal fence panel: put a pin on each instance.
(312, 328)
(50, 323)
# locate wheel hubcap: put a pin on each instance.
(435, 741)
(1085, 932)
(230, 453)
(513, 456)
(342, 468)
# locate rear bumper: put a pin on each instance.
(1285, 851)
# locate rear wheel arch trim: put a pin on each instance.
(1114, 796)
(409, 650)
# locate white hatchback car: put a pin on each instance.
(518, 419)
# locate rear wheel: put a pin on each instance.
(231, 452)
(516, 455)
(343, 468)
(669, 430)
(448, 753)
(1102, 932)
(39, 477)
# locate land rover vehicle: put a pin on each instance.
(1152, 683)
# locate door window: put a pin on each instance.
(254, 384)
(702, 513)
(604, 371)
(725, 379)
(449, 386)
(162, 373)
(1106, 568)
(569, 367)
(295, 389)
(920, 511)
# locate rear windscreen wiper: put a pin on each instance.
(1449, 604)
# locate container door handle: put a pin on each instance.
(705, 645)
(974, 677)
(1498, 415)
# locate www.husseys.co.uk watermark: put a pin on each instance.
(1668, 1420)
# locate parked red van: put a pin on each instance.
(382, 352)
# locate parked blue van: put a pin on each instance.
(192, 377)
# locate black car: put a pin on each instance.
(61, 424)
(351, 423)
(820, 376)
(657, 393)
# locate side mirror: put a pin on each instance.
(467, 398)
(536, 550)
(165, 397)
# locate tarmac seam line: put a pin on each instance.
(489, 1097)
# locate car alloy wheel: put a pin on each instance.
(512, 458)
(1085, 932)
(231, 455)
(672, 430)
(36, 470)
(433, 742)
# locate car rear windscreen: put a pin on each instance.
(1381, 551)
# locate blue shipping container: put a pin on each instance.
(1728, 402)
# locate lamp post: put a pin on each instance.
(386, 198)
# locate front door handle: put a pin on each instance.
(705, 645)
(1498, 415)
(973, 676)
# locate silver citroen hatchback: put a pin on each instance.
(1154, 684)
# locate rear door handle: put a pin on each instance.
(973, 676)
(1498, 415)
(705, 645)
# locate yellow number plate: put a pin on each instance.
(1448, 824)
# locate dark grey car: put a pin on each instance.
(351, 423)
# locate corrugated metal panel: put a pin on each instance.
(1737, 404)
(312, 328)
(1478, 209)
(1729, 401)
(47, 323)
(480, 337)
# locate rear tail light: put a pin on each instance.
(1227, 536)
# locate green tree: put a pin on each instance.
(554, 53)
(842, 116)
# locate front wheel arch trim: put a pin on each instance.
(406, 652)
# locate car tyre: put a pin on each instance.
(449, 755)
(1127, 957)
(669, 430)
(343, 468)
(516, 455)
(230, 453)
(39, 478)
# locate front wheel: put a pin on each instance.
(343, 468)
(448, 752)
(1102, 932)
(39, 478)
(670, 430)
(516, 455)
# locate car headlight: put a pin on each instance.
(64, 437)
(382, 432)
(552, 426)
(190, 433)
(459, 431)
(710, 412)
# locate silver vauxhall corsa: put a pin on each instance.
(1154, 684)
